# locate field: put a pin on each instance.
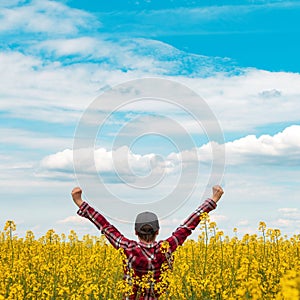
(261, 266)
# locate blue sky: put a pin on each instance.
(242, 58)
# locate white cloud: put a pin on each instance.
(292, 226)
(84, 46)
(131, 55)
(54, 80)
(282, 223)
(59, 161)
(73, 220)
(8, 3)
(171, 222)
(270, 93)
(243, 223)
(37, 85)
(282, 148)
(218, 218)
(47, 17)
(289, 213)
(32, 140)
(288, 210)
(35, 88)
(117, 162)
(239, 102)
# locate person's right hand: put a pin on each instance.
(76, 195)
(217, 193)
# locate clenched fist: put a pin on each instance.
(76, 195)
(217, 193)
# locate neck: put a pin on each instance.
(145, 242)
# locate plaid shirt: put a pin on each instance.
(144, 257)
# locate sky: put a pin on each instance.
(146, 105)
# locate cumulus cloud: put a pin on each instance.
(60, 161)
(279, 149)
(110, 164)
(282, 148)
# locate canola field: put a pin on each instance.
(265, 265)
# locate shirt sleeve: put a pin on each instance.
(112, 233)
(183, 231)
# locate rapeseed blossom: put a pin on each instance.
(258, 266)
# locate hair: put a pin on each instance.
(149, 236)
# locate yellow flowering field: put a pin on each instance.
(265, 265)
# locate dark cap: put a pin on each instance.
(146, 218)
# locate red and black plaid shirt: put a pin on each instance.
(144, 257)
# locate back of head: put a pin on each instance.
(147, 226)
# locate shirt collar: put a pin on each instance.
(147, 245)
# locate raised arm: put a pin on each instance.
(85, 210)
(184, 230)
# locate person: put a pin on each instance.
(146, 256)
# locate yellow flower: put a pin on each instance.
(164, 247)
(262, 226)
(54, 267)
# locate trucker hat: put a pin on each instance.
(146, 218)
